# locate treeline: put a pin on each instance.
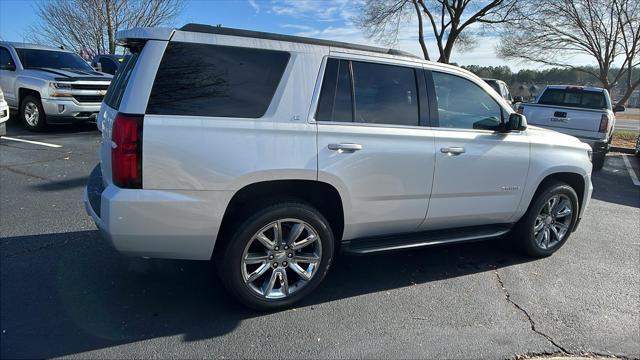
(557, 76)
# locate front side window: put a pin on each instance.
(216, 81)
(35, 58)
(108, 66)
(463, 104)
(6, 61)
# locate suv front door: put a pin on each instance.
(480, 173)
(371, 145)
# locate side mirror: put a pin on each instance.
(516, 122)
(517, 99)
(9, 66)
(619, 108)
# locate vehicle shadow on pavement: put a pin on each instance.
(613, 183)
(69, 293)
(15, 127)
(52, 185)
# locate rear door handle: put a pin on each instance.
(452, 150)
(345, 147)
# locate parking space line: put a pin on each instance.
(632, 173)
(31, 142)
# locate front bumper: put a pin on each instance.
(156, 223)
(69, 111)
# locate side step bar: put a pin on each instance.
(372, 245)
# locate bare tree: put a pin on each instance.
(89, 27)
(450, 20)
(556, 31)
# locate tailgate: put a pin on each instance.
(559, 118)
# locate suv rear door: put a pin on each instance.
(372, 142)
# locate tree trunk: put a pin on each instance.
(110, 31)
(425, 53)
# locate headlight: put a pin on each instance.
(590, 154)
(57, 89)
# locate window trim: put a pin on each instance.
(341, 56)
(434, 104)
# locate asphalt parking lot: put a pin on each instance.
(66, 293)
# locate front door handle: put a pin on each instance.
(345, 147)
(452, 150)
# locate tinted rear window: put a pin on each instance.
(574, 98)
(119, 82)
(218, 81)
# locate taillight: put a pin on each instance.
(604, 123)
(126, 151)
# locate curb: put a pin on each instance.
(622, 150)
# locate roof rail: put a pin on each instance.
(208, 29)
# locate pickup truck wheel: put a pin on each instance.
(277, 256)
(549, 221)
(32, 113)
(598, 161)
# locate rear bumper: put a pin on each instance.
(156, 223)
(599, 146)
(69, 111)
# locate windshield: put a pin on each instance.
(575, 98)
(33, 58)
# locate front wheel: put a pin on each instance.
(549, 221)
(32, 113)
(277, 256)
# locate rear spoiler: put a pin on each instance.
(136, 37)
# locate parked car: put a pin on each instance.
(49, 85)
(107, 63)
(501, 88)
(638, 145)
(279, 151)
(583, 112)
(4, 114)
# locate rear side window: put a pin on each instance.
(217, 81)
(574, 98)
(335, 102)
(385, 94)
(119, 82)
(368, 93)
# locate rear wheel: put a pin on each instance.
(549, 221)
(277, 256)
(598, 161)
(32, 113)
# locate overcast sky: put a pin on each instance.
(327, 19)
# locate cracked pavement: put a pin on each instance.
(65, 293)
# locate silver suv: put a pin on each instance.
(48, 85)
(269, 153)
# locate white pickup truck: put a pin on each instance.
(583, 112)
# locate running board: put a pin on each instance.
(372, 245)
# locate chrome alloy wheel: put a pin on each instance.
(552, 223)
(31, 113)
(281, 258)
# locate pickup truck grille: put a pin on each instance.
(89, 86)
(88, 98)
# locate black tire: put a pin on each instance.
(229, 257)
(40, 123)
(598, 161)
(524, 230)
